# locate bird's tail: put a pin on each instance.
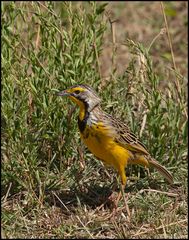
(161, 169)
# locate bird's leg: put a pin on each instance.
(125, 200)
(121, 193)
(115, 209)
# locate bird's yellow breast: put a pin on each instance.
(99, 141)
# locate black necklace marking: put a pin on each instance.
(82, 123)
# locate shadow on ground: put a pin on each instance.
(93, 196)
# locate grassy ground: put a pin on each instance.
(52, 186)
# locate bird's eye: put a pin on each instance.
(76, 91)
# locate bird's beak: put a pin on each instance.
(63, 93)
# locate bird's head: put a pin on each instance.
(83, 95)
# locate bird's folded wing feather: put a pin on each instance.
(127, 139)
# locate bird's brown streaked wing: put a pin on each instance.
(127, 139)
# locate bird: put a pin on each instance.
(108, 138)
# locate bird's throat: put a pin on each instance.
(82, 119)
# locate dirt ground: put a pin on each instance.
(142, 22)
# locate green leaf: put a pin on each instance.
(170, 12)
(101, 8)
